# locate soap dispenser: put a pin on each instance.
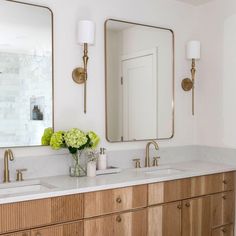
(102, 159)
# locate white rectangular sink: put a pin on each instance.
(16, 188)
(159, 170)
(168, 171)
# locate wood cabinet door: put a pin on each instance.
(165, 220)
(71, 229)
(227, 230)
(125, 224)
(222, 209)
(196, 217)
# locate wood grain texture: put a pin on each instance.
(227, 230)
(67, 208)
(196, 217)
(23, 233)
(175, 190)
(24, 215)
(70, 229)
(208, 184)
(115, 200)
(125, 224)
(168, 191)
(229, 181)
(222, 209)
(165, 220)
(31, 214)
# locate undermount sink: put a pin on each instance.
(168, 171)
(159, 170)
(33, 186)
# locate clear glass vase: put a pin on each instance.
(77, 170)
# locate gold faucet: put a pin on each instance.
(8, 155)
(147, 158)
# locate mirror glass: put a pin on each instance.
(26, 73)
(139, 81)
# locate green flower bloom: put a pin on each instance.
(45, 140)
(57, 140)
(75, 138)
(94, 139)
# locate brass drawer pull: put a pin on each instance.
(118, 219)
(118, 200)
(225, 182)
(179, 207)
(187, 204)
(224, 197)
(224, 230)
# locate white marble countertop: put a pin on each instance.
(65, 185)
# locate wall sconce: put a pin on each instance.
(193, 52)
(85, 37)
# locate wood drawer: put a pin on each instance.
(125, 224)
(70, 229)
(191, 187)
(115, 200)
(227, 230)
(222, 209)
(31, 214)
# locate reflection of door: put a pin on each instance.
(140, 96)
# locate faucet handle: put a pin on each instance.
(155, 161)
(19, 174)
(137, 163)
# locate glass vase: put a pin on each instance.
(77, 170)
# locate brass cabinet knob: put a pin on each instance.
(118, 200)
(224, 197)
(137, 163)
(225, 182)
(118, 219)
(224, 230)
(179, 206)
(187, 204)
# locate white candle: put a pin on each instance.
(91, 169)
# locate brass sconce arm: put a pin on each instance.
(188, 84)
(80, 75)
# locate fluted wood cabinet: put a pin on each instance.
(198, 206)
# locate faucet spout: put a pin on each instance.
(8, 155)
(147, 158)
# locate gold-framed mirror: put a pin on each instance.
(139, 65)
(26, 73)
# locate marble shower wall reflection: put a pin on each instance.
(25, 98)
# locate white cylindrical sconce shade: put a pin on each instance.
(193, 50)
(85, 32)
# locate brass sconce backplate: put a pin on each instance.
(79, 75)
(187, 84)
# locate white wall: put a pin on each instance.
(216, 81)
(69, 96)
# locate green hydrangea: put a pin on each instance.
(45, 140)
(57, 140)
(94, 139)
(75, 138)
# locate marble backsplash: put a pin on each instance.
(53, 165)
